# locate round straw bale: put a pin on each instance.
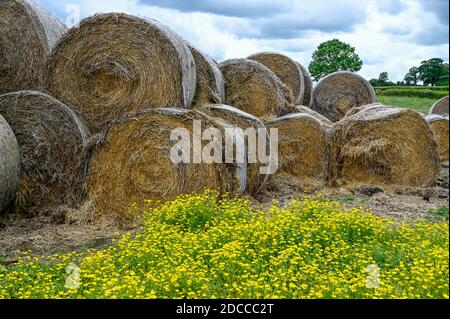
(302, 146)
(440, 107)
(383, 146)
(237, 118)
(116, 63)
(339, 92)
(210, 83)
(307, 97)
(440, 126)
(27, 34)
(51, 138)
(287, 70)
(253, 88)
(9, 165)
(131, 162)
(363, 107)
(292, 109)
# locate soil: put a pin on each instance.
(44, 235)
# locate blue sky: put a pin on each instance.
(389, 35)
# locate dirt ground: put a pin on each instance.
(43, 235)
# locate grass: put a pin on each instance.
(211, 246)
(422, 105)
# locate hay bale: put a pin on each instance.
(363, 107)
(339, 92)
(440, 126)
(302, 147)
(287, 70)
(440, 107)
(210, 82)
(307, 97)
(51, 138)
(27, 34)
(292, 109)
(253, 88)
(383, 146)
(131, 162)
(9, 165)
(231, 116)
(116, 63)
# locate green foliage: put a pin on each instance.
(431, 94)
(412, 77)
(431, 71)
(332, 56)
(418, 104)
(439, 211)
(310, 249)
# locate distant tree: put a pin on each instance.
(412, 77)
(374, 82)
(431, 71)
(332, 56)
(384, 77)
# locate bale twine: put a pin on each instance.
(9, 165)
(287, 70)
(307, 97)
(210, 82)
(302, 147)
(253, 88)
(440, 107)
(131, 162)
(383, 146)
(292, 109)
(51, 138)
(339, 92)
(440, 127)
(116, 63)
(27, 34)
(237, 118)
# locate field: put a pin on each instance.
(418, 104)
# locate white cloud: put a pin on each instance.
(389, 35)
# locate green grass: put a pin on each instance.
(211, 246)
(422, 105)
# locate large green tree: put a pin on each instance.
(332, 56)
(412, 77)
(431, 71)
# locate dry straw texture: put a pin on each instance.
(115, 63)
(51, 138)
(307, 97)
(339, 92)
(440, 126)
(287, 70)
(237, 118)
(131, 162)
(383, 146)
(440, 107)
(27, 34)
(253, 88)
(210, 82)
(302, 147)
(9, 165)
(292, 109)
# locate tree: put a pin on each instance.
(431, 71)
(332, 56)
(384, 77)
(412, 77)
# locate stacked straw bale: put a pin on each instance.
(115, 63)
(27, 34)
(9, 166)
(254, 89)
(440, 126)
(51, 138)
(383, 146)
(302, 146)
(210, 82)
(287, 70)
(131, 162)
(307, 97)
(339, 92)
(234, 117)
(292, 109)
(440, 107)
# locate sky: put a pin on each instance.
(389, 35)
